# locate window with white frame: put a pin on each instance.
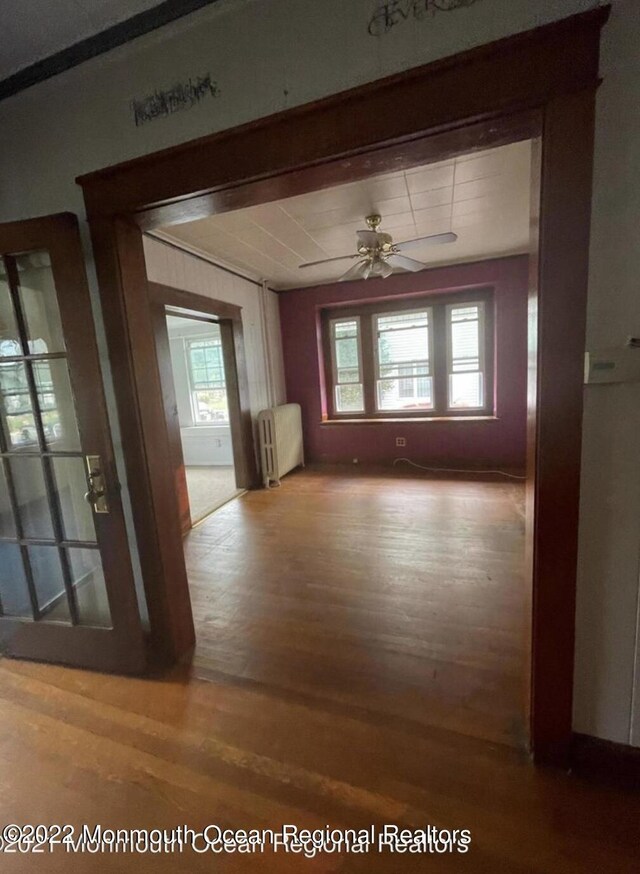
(420, 358)
(205, 365)
(403, 368)
(465, 356)
(347, 366)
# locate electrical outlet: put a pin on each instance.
(401, 441)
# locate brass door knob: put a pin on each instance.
(97, 493)
(93, 496)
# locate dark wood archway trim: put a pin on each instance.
(517, 73)
(230, 319)
(541, 85)
(169, 296)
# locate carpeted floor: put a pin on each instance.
(209, 488)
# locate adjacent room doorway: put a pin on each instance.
(202, 407)
(200, 352)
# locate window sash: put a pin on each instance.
(392, 376)
(199, 418)
(347, 376)
(205, 375)
(466, 365)
(408, 376)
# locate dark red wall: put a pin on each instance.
(500, 442)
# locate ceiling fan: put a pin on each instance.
(378, 255)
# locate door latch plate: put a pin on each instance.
(97, 494)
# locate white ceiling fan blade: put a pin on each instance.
(355, 272)
(369, 239)
(406, 263)
(327, 261)
(433, 240)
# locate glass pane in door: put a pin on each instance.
(7, 525)
(55, 400)
(48, 580)
(14, 593)
(32, 497)
(38, 302)
(88, 581)
(15, 405)
(9, 337)
(51, 567)
(70, 488)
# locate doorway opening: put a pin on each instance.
(539, 86)
(200, 359)
(400, 577)
(200, 386)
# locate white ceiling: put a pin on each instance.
(31, 30)
(179, 326)
(483, 197)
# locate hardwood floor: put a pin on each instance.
(393, 593)
(258, 745)
(82, 748)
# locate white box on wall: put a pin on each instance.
(615, 364)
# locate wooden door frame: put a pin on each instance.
(540, 85)
(229, 317)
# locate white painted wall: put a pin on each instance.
(207, 446)
(260, 314)
(269, 56)
(607, 652)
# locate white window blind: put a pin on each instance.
(403, 366)
(347, 366)
(465, 331)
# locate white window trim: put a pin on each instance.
(376, 357)
(482, 369)
(186, 341)
(334, 364)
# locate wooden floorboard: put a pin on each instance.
(256, 745)
(392, 592)
(132, 753)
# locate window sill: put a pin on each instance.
(199, 429)
(408, 420)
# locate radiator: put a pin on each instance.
(281, 449)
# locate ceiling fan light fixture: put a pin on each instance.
(380, 267)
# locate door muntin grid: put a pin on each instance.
(50, 567)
